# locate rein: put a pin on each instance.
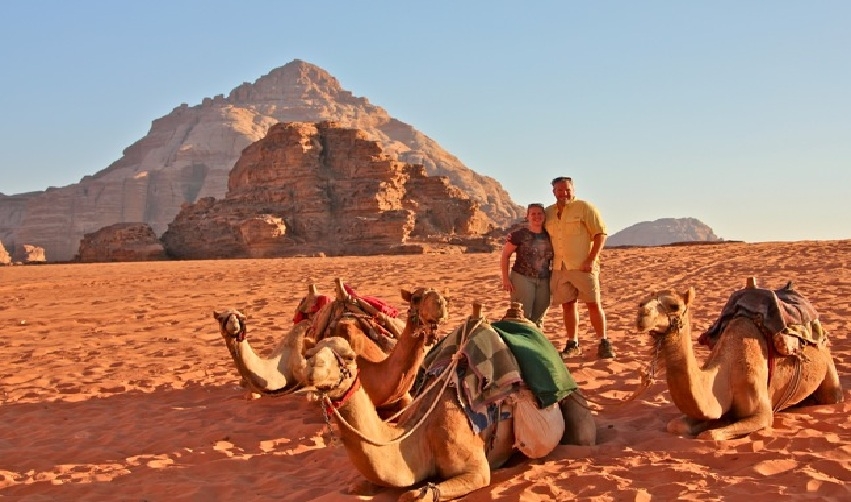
(647, 375)
(444, 377)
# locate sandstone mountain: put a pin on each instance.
(310, 188)
(188, 154)
(662, 232)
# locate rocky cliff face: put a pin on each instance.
(662, 232)
(309, 188)
(188, 154)
(121, 242)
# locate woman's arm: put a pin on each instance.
(504, 261)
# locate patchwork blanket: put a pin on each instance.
(487, 372)
(780, 311)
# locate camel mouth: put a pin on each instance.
(643, 325)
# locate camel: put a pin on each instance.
(387, 378)
(432, 439)
(736, 390)
(270, 375)
(389, 381)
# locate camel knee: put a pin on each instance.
(579, 425)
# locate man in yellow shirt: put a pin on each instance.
(578, 233)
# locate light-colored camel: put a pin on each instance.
(387, 381)
(730, 395)
(432, 440)
(273, 374)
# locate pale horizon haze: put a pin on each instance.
(737, 113)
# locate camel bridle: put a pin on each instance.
(345, 372)
(243, 329)
(444, 379)
(423, 327)
(675, 321)
(675, 324)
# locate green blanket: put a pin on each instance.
(540, 364)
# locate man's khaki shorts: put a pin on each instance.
(571, 285)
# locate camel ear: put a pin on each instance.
(445, 295)
(406, 295)
(217, 315)
(689, 296)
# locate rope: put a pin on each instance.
(444, 376)
(791, 388)
(647, 378)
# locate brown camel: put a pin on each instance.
(387, 379)
(432, 440)
(736, 390)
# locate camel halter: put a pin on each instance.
(647, 376)
(675, 322)
(444, 377)
(416, 320)
(239, 335)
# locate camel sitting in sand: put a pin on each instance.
(746, 376)
(433, 439)
(387, 379)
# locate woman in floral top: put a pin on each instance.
(529, 278)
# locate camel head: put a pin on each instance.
(231, 323)
(427, 310)
(329, 368)
(664, 312)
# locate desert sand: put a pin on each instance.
(116, 384)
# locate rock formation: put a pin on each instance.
(309, 188)
(27, 253)
(188, 154)
(662, 232)
(5, 257)
(121, 242)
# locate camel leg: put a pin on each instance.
(742, 427)
(364, 488)
(830, 390)
(579, 425)
(687, 426)
(451, 488)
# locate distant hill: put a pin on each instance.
(662, 232)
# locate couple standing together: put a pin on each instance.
(558, 261)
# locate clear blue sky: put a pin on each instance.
(737, 113)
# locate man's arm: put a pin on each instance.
(597, 244)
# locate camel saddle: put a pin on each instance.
(786, 318)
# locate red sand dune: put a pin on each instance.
(116, 384)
